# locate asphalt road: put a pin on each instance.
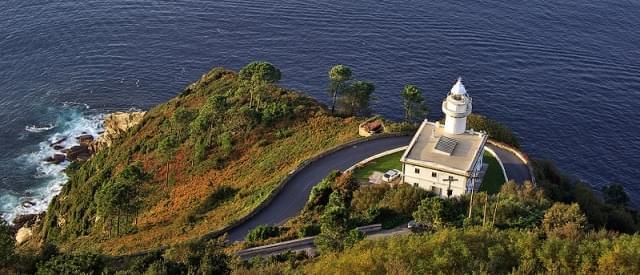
(294, 195)
(515, 168)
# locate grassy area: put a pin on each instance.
(494, 178)
(382, 164)
(221, 153)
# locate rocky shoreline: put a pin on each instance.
(83, 148)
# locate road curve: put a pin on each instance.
(292, 198)
(516, 169)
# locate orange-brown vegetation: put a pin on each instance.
(219, 163)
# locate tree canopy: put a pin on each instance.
(413, 103)
(260, 71)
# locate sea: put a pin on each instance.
(564, 75)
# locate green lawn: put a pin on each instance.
(494, 178)
(382, 164)
(491, 182)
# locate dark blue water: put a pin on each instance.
(564, 76)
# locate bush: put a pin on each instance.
(72, 264)
(309, 230)
(495, 129)
(262, 233)
(404, 199)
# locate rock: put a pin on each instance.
(56, 159)
(79, 152)
(85, 139)
(27, 220)
(58, 147)
(58, 142)
(115, 125)
(24, 234)
(27, 204)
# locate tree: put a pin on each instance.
(214, 260)
(413, 103)
(614, 194)
(435, 212)
(7, 244)
(333, 225)
(356, 98)
(564, 221)
(259, 74)
(260, 71)
(117, 198)
(339, 75)
(72, 264)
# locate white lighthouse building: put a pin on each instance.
(446, 159)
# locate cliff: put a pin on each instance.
(115, 125)
(188, 167)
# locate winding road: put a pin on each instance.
(516, 170)
(292, 198)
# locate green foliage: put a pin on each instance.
(564, 221)
(436, 212)
(519, 206)
(561, 188)
(7, 244)
(339, 76)
(355, 98)
(72, 264)
(213, 260)
(260, 71)
(485, 251)
(320, 192)
(414, 106)
(495, 129)
(262, 232)
(340, 73)
(614, 194)
(309, 230)
(404, 199)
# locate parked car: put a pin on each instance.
(391, 175)
(414, 226)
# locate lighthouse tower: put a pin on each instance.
(456, 107)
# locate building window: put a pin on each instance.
(434, 174)
(417, 171)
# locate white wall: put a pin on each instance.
(425, 180)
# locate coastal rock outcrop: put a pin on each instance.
(115, 124)
(23, 235)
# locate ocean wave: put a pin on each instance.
(38, 129)
(49, 177)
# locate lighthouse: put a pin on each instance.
(456, 107)
(446, 160)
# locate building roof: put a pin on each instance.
(443, 151)
(458, 88)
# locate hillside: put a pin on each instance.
(193, 165)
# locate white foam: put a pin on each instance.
(49, 177)
(38, 129)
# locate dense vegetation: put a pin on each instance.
(212, 154)
(193, 165)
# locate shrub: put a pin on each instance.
(495, 129)
(262, 232)
(72, 264)
(309, 230)
(564, 221)
(404, 199)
